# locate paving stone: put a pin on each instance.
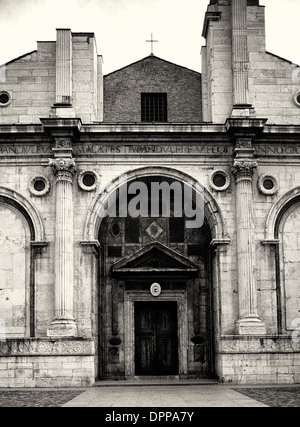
(24, 398)
(286, 397)
(214, 396)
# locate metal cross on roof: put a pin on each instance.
(152, 41)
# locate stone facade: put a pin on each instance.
(72, 280)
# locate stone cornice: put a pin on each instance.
(245, 126)
(63, 131)
(220, 242)
(91, 247)
(210, 16)
(19, 130)
(39, 247)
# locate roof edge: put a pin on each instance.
(151, 56)
(281, 58)
(18, 58)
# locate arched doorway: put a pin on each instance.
(164, 332)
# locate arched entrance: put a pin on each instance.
(156, 298)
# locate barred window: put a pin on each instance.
(154, 107)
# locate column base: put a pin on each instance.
(63, 110)
(242, 110)
(62, 328)
(250, 326)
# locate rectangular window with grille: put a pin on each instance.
(154, 107)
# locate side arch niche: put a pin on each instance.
(282, 231)
(20, 226)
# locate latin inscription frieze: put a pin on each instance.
(176, 149)
(205, 149)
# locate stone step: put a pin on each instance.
(156, 381)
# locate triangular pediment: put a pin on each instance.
(155, 258)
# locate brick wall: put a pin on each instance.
(123, 88)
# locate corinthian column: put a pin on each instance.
(64, 169)
(249, 322)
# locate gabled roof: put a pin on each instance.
(151, 57)
(155, 259)
(18, 58)
(281, 58)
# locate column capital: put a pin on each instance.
(243, 169)
(63, 168)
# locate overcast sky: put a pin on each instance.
(123, 26)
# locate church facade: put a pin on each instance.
(150, 218)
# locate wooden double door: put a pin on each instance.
(156, 338)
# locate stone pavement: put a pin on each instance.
(155, 396)
(163, 397)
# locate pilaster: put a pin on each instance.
(240, 59)
(64, 75)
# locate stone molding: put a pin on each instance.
(39, 247)
(220, 242)
(239, 344)
(270, 242)
(91, 247)
(44, 347)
